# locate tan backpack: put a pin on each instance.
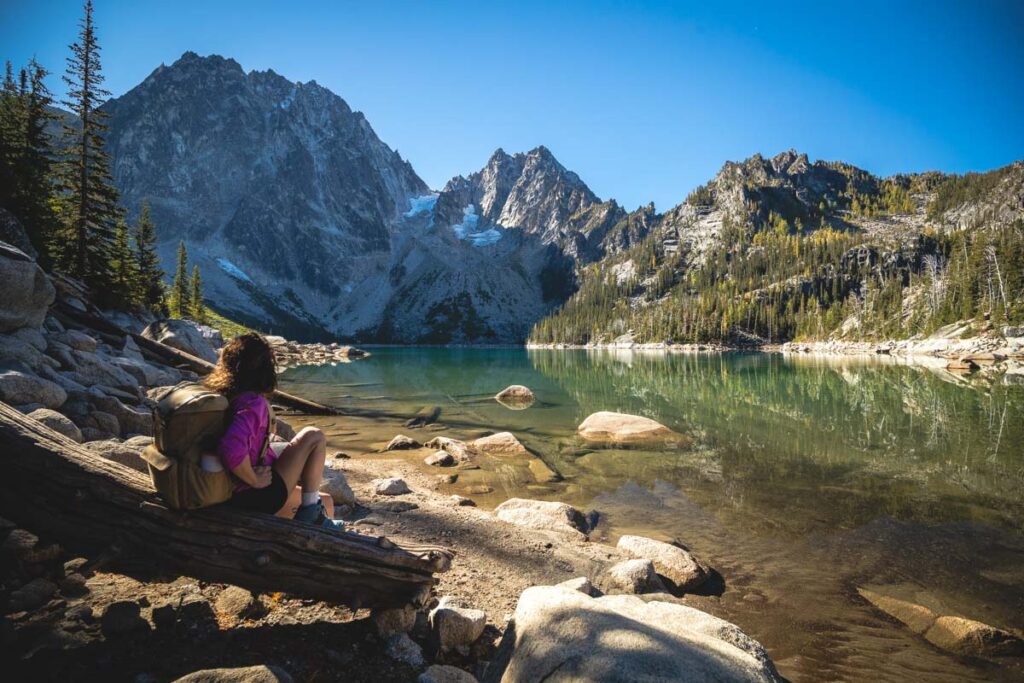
(189, 421)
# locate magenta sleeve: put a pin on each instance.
(237, 442)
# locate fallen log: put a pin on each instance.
(58, 489)
(165, 354)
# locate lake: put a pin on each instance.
(803, 479)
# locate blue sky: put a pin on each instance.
(645, 100)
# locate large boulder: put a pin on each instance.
(559, 634)
(245, 674)
(401, 442)
(670, 561)
(112, 449)
(26, 293)
(632, 576)
(17, 347)
(58, 423)
(503, 444)
(18, 388)
(337, 487)
(182, 335)
(92, 368)
(544, 515)
(454, 626)
(624, 429)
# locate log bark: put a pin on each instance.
(58, 489)
(165, 354)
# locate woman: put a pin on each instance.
(245, 375)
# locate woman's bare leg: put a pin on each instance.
(294, 462)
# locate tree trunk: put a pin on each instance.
(58, 489)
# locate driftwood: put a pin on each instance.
(165, 354)
(57, 488)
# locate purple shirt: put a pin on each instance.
(248, 430)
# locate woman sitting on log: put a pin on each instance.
(268, 472)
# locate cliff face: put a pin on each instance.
(276, 187)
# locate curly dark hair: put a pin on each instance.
(246, 364)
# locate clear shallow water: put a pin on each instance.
(804, 479)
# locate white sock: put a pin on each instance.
(310, 498)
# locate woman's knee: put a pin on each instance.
(311, 435)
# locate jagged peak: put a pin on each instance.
(192, 59)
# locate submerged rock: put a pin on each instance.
(502, 444)
(969, 637)
(560, 634)
(672, 562)
(460, 450)
(516, 397)
(621, 428)
(440, 459)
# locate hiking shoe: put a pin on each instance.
(316, 515)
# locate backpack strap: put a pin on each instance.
(266, 436)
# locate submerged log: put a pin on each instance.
(165, 354)
(57, 488)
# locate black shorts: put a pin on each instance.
(268, 500)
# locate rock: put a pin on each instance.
(542, 514)
(462, 501)
(503, 444)
(238, 603)
(58, 423)
(139, 443)
(973, 638)
(27, 292)
(145, 373)
(92, 368)
(104, 422)
(73, 585)
(479, 489)
(622, 638)
(440, 459)
(17, 387)
(516, 397)
(620, 428)
(401, 647)
(182, 335)
(917, 618)
(122, 617)
(392, 486)
(15, 350)
(632, 576)
(542, 474)
(211, 334)
(32, 595)
(402, 443)
(1011, 331)
(581, 584)
(114, 450)
(454, 626)
(24, 546)
(442, 673)
(335, 484)
(460, 450)
(91, 434)
(76, 340)
(673, 563)
(388, 622)
(246, 674)
(284, 430)
(13, 233)
(963, 363)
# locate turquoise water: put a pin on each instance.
(803, 479)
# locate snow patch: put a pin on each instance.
(286, 103)
(233, 270)
(466, 230)
(418, 205)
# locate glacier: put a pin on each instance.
(233, 270)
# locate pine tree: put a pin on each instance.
(91, 211)
(197, 308)
(150, 285)
(123, 266)
(180, 297)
